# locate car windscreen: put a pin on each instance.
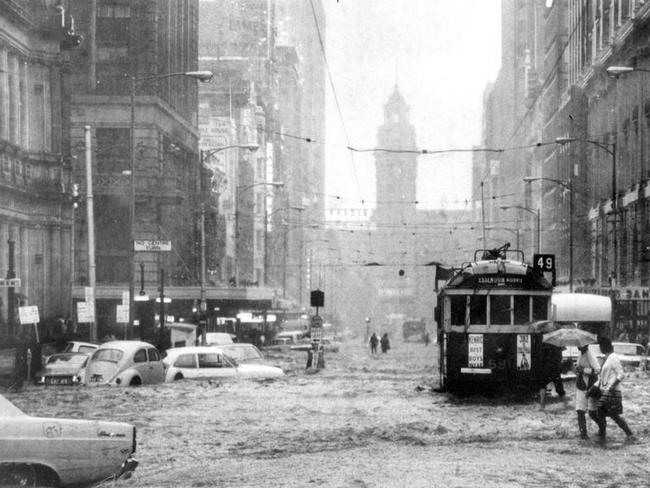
(242, 353)
(77, 359)
(109, 355)
(627, 349)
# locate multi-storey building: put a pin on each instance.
(270, 70)
(128, 85)
(34, 162)
(584, 133)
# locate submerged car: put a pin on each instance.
(125, 363)
(65, 368)
(38, 451)
(201, 362)
(218, 338)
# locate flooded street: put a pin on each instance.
(361, 422)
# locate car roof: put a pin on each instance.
(82, 343)
(193, 349)
(125, 345)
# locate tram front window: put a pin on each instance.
(478, 309)
(522, 309)
(500, 310)
(540, 307)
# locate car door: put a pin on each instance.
(141, 365)
(213, 365)
(156, 367)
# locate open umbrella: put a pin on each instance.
(542, 326)
(569, 337)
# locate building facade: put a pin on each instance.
(35, 164)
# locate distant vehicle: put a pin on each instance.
(202, 362)
(78, 346)
(290, 337)
(125, 363)
(413, 330)
(632, 356)
(65, 368)
(218, 338)
(31, 449)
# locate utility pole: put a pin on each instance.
(91, 234)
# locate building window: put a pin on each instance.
(113, 11)
(113, 149)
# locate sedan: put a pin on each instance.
(125, 363)
(65, 368)
(37, 451)
(632, 356)
(202, 362)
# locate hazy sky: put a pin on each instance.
(442, 54)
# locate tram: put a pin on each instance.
(491, 315)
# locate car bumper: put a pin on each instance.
(127, 469)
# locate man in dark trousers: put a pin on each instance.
(374, 340)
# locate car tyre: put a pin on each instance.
(179, 376)
(135, 381)
(15, 474)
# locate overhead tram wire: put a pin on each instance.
(334, 92)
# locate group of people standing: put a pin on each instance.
(384, 342)
(598, 390)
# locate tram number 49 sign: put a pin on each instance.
(544, 262)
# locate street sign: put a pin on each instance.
(316, 334)
(28, 314)
(85, 313)
(122, 314)
(150, 246)
(9, 282)
(316, 321)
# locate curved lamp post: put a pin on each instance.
(536, 213)
(238, 193)
(203, 76)
(204, 155)
(569, 187)
(609, 148)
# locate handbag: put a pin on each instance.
(594, 392)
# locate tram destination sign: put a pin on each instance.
(9, 282)
(155, 246)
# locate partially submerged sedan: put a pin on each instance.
(38, 451)
(202, 362)
(65, 368)
(125, 363)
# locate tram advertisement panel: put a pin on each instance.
(523, 352)
(475, 351)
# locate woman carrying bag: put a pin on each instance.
(587, 369)
(610, 403)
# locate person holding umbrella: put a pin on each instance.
(587, 369)
(552, 357)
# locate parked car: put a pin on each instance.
(201, 362)
(243, 353)
(218, 338)
(290, 337)
(38, 451)
(632, 356)
(79, 346)
(125, 363)
(64, 368)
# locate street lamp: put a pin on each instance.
(204, 155)
(238, 193)
(569, 187)
(266, 237)
(203, 76)
(609, 148)
(536, 213)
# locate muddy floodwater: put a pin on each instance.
(361, 422)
